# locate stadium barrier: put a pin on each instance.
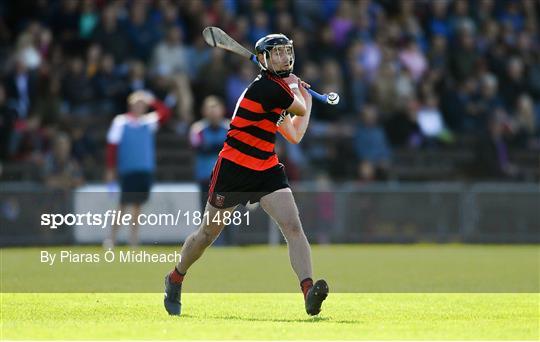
(331, 213)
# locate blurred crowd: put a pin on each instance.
(411, 74)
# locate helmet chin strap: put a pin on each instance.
(265, 61)
(283, 73)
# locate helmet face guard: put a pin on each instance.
(277, 51)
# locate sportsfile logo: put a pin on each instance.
(110, 217)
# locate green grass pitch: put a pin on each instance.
(352, 311)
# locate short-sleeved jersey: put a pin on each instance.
(134, 137)
(252, 134)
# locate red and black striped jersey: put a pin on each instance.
(252, 133)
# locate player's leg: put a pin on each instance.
(110, 241)
(225, 193)
(143, 182)
(193, 248)
(280, 205)
(199, 240)
(134, 231)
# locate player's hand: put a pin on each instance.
(113, 188)
(143, 95)
(305, 84)
(291, 79)
(148, 97)
(110, 180)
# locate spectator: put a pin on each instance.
(438, 55)
(366, 55)
(83, 148)
(431, 121)
(78, 89)
(49, 107)
(142, 35)
(405, 87)
(111, 36)
(514, 83)
(131, 154)
(110, 86)
(171, 56)
(27, 53)
(492, 154)
(30, 141)
(44, 43)
(65, 25)
(513, 16)
(285, 25)
(21, 89)
(7, 122)
(167, 16)
(88, 19)
(240, 30)
(93, 60)
(483, 105)
(237, 82)
(438, 23)
(463, 56)
(213, 76)
(342, 23)
(331, 81)
(403, 128)
(534, 79)
(457, 105)
(260, 26)
(385, 90)
(483, 12)
(206, 137)
(136, 77)
(526, 130)
(413, 59)
(358, 86)
(460, 20)
(324, 48)
(198, 55)
(371, 146)
(184, 99)
(60, 170)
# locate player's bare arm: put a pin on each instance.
(299, 105)
(293, 129)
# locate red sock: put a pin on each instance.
(305, 285)
(176, 277)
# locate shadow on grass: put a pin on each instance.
(315, 319)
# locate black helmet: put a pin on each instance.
(267, 43)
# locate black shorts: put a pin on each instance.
(135, 187)
(233, 184)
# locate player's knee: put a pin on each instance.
(207, 235)
(207, 238)
(292, 229)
